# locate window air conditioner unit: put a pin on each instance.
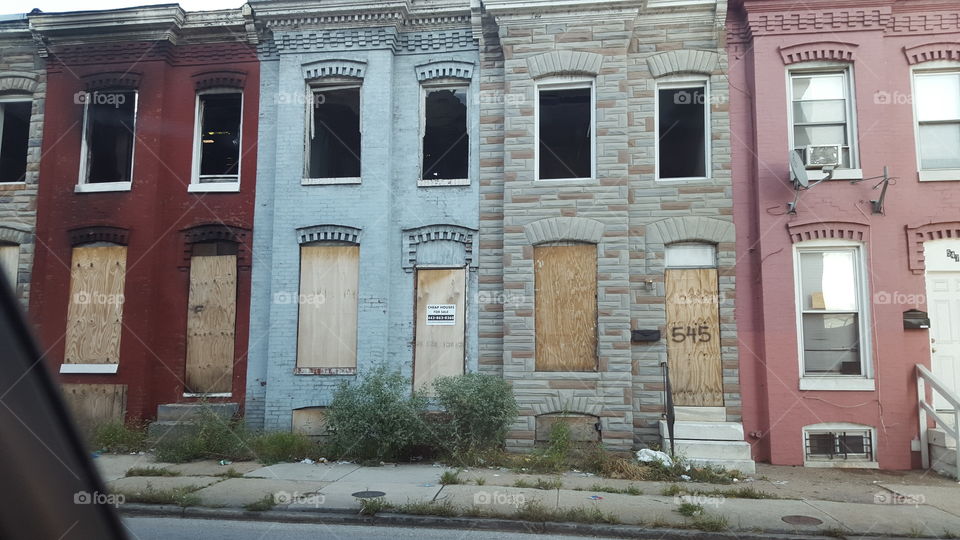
(824, 155)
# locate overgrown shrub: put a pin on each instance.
(282, 446)
(480, 409)
(119, 437)
(377, 418)
(210, 437)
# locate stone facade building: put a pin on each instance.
(22, 89)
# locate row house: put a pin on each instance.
(367, 201)
(22, 87)
(143, 244)
(846, 163)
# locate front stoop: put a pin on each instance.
(943, 453)
(175, 420)
(710, 443)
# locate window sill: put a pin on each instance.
(224, 187)
(566, 180)
(207, 395)
(838, 174)
(685, 179)
(89, 368)
(443, 182)
(855, 384)
(328, 181)
(102, 187)
(325, 371)
(840, 464)
(12, 186)
(940, 175)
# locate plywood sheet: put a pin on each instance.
(95, 404)
(95, 312)
(310, 421)
(693, 337)
(211, 323)
(439, 326)
(9, 263)
(327, 330)
(566, 307)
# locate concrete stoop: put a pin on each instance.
(710, 443)
(176, 420)
(943, 453)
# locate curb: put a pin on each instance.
(349, 517)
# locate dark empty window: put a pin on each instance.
(109, 135)
(219, 136)
(566, 133)
(682, 133)
(335, 133)
(445, 141)
(14, 133)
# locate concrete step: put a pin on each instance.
(943, 460)
(704, 431)
(746, 466)
(700, 414)
(940, 438)
(175, 412)
(719, 450)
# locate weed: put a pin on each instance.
(231, 473)
(586, 515)
(672, 490)
(690, 509)
(181, 496)
(212, 437)
(450, 478)
(533, 511)
(151, 471)
(710, 523)
(480, 481)
(660, 522)
(629, 490)
(119, 437)
(369, 507)
(283, 446)
(426, 508)
(554, 483)
(834, 532)
(264, 504)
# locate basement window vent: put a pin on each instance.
(14, 134)
(846, 445)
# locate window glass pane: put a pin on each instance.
(110, 125)
(335, 134)
(831, 344)
(565, 133)
(446, 144)
(833, 111)
(817, 135)
(828, 280)
(807, 87)
(940, 146)
(220, 134)
(13, 144)
(682, 135)
(938, 96)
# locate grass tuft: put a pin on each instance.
(151, 471)
(264, 504)
(181, 496)
(450, 478)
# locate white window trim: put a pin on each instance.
(89, 368)
(854, 172)
(226, 183)
(83, 184)
(685, 82)
(565, 83)
(311, 91)
(865, 381)
(424, 90)
(833, 427)
(14, 98)
(941, 66)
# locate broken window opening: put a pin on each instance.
(566, 133)
(334, 137)
(14, 139)
(446, 143)
(681, 132)
(109, 135)
(213, 248)
(219, 137)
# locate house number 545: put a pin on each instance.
(700, 333)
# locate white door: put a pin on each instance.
(943, 306)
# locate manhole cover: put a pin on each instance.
(368, 494)
(801, 520)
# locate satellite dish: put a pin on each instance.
(798, 171)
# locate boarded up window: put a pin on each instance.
(108, 139)
(219, 136)
(14, 136)
(583, 428)
(211, 321)
(566, 307)
(327, 332)
(446, 144)
(566, 132)
(9, 263)
(334, 139)
(95, 313)
(440, 317)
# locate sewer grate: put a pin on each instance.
(801, 520)
(368, 494)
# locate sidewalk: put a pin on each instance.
(846, 503)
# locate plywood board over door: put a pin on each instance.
(439, 350)
(95, 312)
(693, 337)
(566, 307)
(211, 324)
(94, 404)
(327, 331)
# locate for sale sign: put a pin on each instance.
(441, 314)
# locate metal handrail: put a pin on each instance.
(670, 413)
(925, 377)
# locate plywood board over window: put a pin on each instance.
(440, 318)
(693, 337)
(211, 324)
(95, 312)
(327, 330)
(566, 307)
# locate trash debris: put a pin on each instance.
(496, 475)
(95, 454)
(779, 482)
(595, 498)
(322, 460)
(647, 455)
(426, 485)
(685, 478)
(735, 480)
(225, 462)
(586, 474)
(344, 462)
(307, 461)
